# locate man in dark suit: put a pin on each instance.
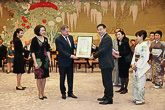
(27, 54)
(106, 63)
(65, 47)
(3, 51)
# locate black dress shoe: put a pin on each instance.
(89, 66)
(44, 97)
(28, 72)
(72, 96)
(102, 99)
(148, 79)
(119, 90)
(63, 96)
(124, 91)
(20, 88)
(24, 87)
(105, 102)
(41, 98)
(7, 72)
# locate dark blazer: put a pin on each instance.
(3, 51)
(105, 53)
(18, 47)
(26, 52)
(64, 51)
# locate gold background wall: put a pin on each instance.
(151, 18)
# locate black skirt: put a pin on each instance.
(123, 68)
(18, 67)
(124, 73)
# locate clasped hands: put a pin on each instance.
(133, 67)
(37, 67)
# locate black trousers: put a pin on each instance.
(87, 62)
(69, 72)
(30, 63)
(107, 82)
(0, 62)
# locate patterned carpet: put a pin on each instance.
(87, 86)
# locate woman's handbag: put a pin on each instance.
(128, 58)
(38, 73)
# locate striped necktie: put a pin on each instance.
(67, 41)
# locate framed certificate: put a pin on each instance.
(84, 46)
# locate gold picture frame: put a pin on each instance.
(84, 46)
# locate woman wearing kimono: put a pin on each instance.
(140, 66)
(157, 50)
(152, 39)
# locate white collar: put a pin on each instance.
(157, 41)
(64, 37)
(103, 35)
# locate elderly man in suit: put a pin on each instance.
(106, 63)
(65, 47)
(3, 51)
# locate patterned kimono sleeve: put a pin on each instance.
(162, 54)
(144, 57)
(164, 51)
(150, 48)
(133, 58)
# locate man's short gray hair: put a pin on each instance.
(63, 27)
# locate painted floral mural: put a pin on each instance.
(54, 13)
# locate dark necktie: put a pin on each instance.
(67, 41)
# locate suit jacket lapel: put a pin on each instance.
(71, 42)
(102, 40)
(63, 40)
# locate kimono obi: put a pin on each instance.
(156, 52)
(137, 56)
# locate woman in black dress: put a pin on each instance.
(41, 57)
(124, 49)
(18, 57)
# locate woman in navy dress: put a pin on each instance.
(41, 57)
(18, 57)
